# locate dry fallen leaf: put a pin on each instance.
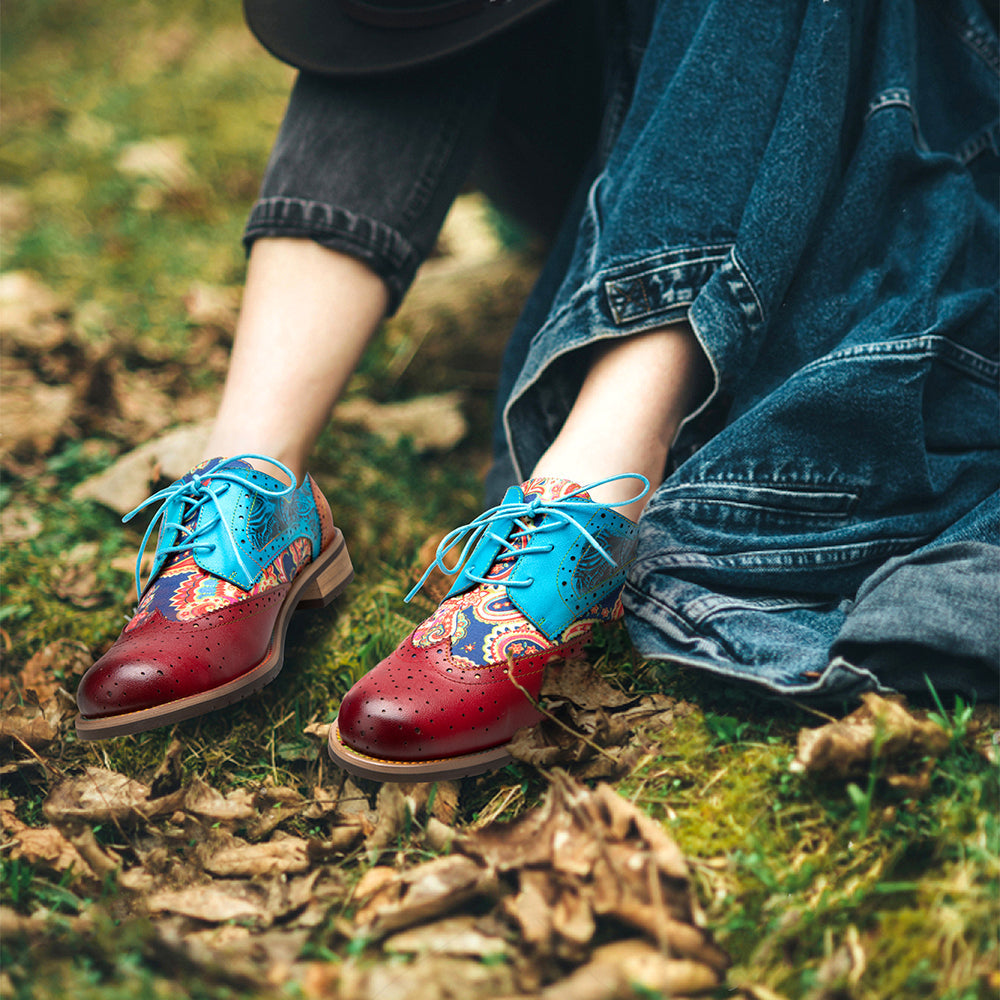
(591, 729)
(462, 935)
(846, 748)
(31, 722)
(259, 902)
(322, 803)
(213, 305)
(289, 855)
(433, 889)
(42, 846)
(429, 977)
(531, 908)
(321, 980)
(168, 776)
(321, 730)
(212, 806)
(392, 810)
(630, 969)
(102, 796)
(213, 903)
(130, 479)
(32, 316)
(75, 576)
(19, 522)
(274, 804)
(34, 415)
(66, 656)
(577, 681)
(163, 160)
(432, 423)
(445, 798)
(142, 400)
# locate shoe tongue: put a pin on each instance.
(208, 466)
(546, 489)
(553, 489)
(213, 464)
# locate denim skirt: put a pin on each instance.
(813, 186)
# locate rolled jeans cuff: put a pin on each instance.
(370, 168)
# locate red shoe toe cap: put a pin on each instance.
(114, 685)
(420, 704)
(162, 661)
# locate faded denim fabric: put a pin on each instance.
(813, 185)
(370, 167)
(824, 213)
(921, 616)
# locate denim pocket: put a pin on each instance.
(862, 455)
(755, 504)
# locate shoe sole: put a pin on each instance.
(462, 766)
(324, 579)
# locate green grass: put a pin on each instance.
(787, 868)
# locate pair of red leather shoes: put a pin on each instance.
(238, 553)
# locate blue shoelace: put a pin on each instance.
(552, 514)
(202, 488)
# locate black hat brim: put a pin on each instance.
(316, 35)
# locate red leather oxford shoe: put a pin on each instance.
(238, 552)
(535, 575)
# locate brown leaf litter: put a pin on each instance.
(514, 910)
(232, 888)
(61, 381)
(590, 727)
(584, 865)
(883, 729)
(31, 724)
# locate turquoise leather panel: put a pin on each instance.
(238, 531)
(574, 576)
(571, 575)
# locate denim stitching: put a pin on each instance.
(988, 138)
(743, 291)
(845, 554)
(703, 609)
(272, 214)
(923, 346)
(978, 39)
(894, 97)
(743, 503)
(803, 498)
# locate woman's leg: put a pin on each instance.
(308, 313)
(357, 187)
(626, 416)
(534, 577)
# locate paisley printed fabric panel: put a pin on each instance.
(485, 628)
(183, 591)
